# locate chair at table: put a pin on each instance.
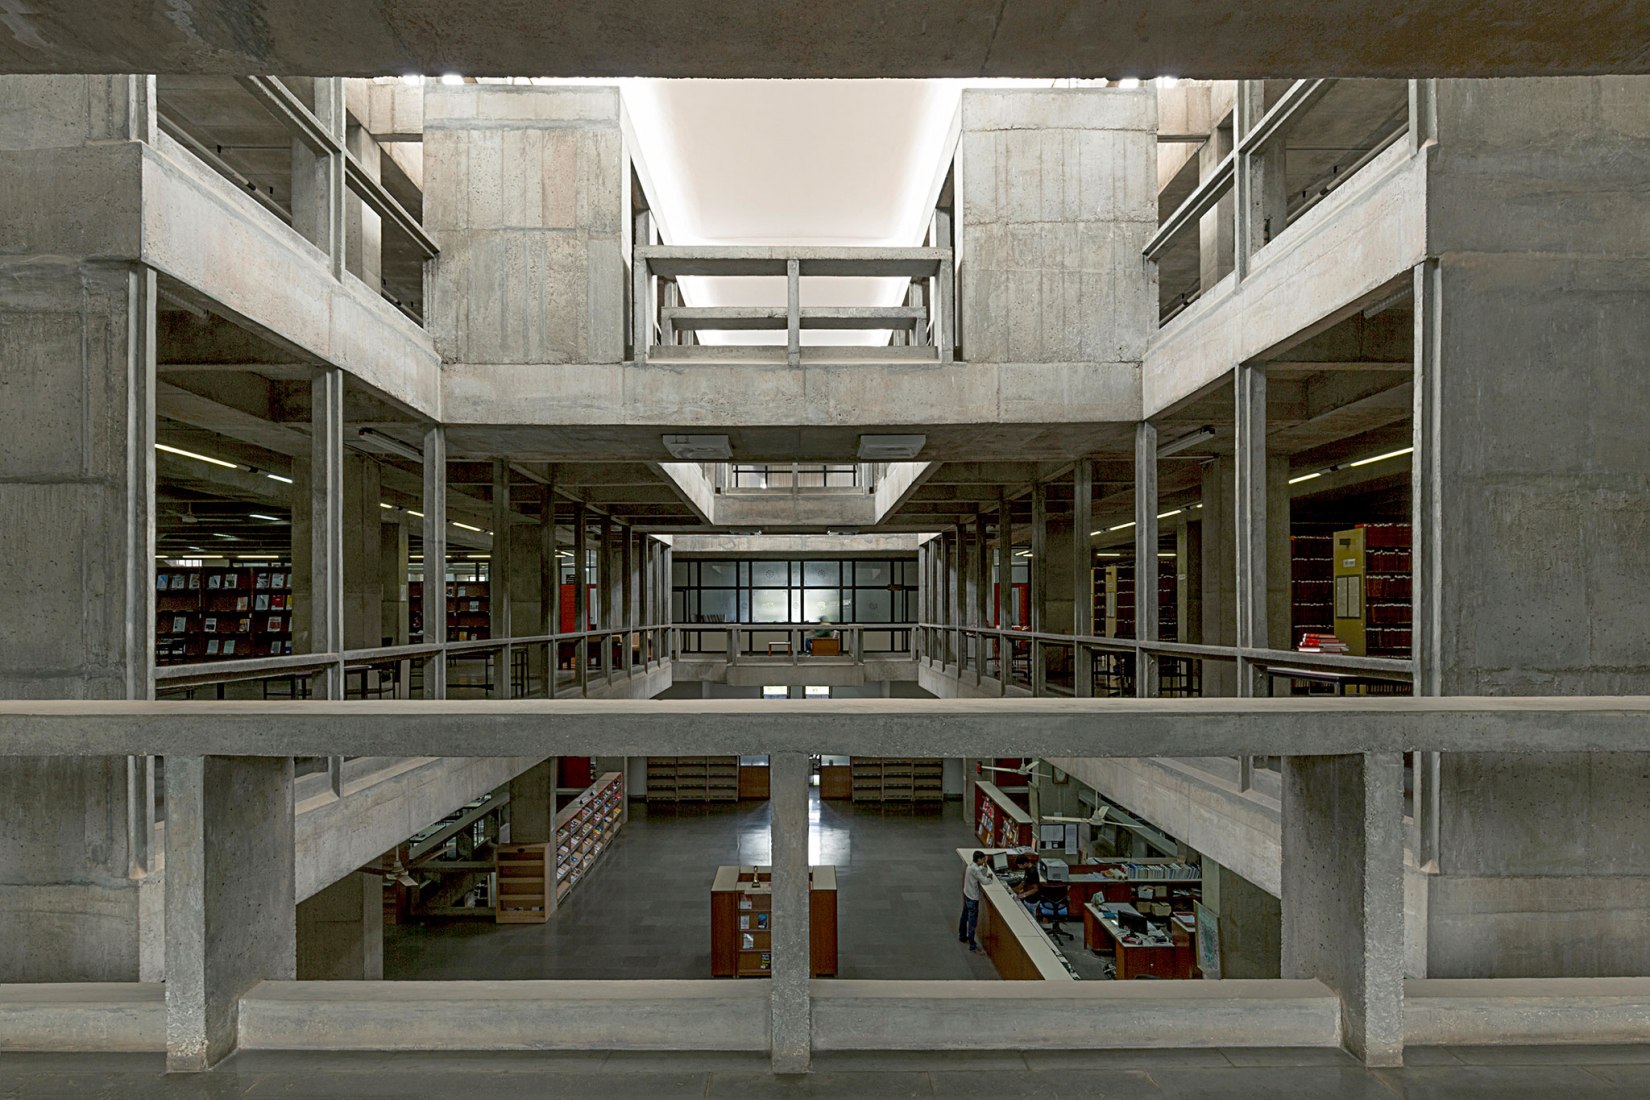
(1051, 909)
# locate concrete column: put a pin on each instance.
(393, 552)
(792, 1014)
(1219, 569)
(1039, 581)
(1343, 903)
(1188, 553)
(362, 548)
(1145, 554)
(958, 610)
(1250, 920)
(319, 194)
(980, 581)
(581, 593)
(499, 575)
(435, 559)
(326, 526)
(533, 808)
(607, 589)
(549, 579)
(627, 591)
(340, 934)
(1082, 573)
(230, 896)
(363, 227)
(1249, 520)
(1005, 587)
(77, 544)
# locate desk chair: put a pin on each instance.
(1051, 907)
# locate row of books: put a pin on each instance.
(1172, 871)
(182, 582)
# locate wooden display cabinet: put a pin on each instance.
(741, 922)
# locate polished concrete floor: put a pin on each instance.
(645, 911)
(1577, 1073)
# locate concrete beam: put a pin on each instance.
(845, 38)
(869, 727)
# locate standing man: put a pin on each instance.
(974, 875)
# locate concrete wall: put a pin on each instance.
(525, 188)
(1059, 196)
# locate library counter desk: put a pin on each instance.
(1013, 940)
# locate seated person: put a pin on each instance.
(1030, 883)
(822, 631)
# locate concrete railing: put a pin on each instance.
(926, 313)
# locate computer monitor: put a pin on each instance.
(1131, 921)
(999, 862)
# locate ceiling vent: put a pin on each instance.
(890, 448)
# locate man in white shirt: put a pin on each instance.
(975, 874)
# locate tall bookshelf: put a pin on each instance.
(693, 779)
(1311, 580)
(469, 610)
(523, 872)
(1373, 585)
(222, 613)
(897, 778)
(585, 828)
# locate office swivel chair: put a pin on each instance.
(1051, 908)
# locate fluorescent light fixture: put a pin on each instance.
(278, 477)
(1305, 477)
(451, 78)
(1121, 526)
(890, 448)
(258, 557)
(698, 448)
(478, 557)
(1129, 83)
(1381, 458)
(413, 79)
(386, 507)
(1022, 553)
(1190, 439)
(1108, 554)
(193, 455)
(1165, 553)
(221, 535)
(1167, 81)
(466, 526)
(563, 554)
(1172, 512)
(260, 515)
(410, 512)
(378, 441)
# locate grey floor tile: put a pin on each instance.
(822, 1086)
(1043, 1061)
(1527, 1082)
(1288, 1056)
(1569, 1054)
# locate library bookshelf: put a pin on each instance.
(741, 922)
(222, 613)
(469, 610)
(897, 779)
(585, 828)
(998, 821)
(524, 872)
(693, 779)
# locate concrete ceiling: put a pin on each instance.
(834, 38)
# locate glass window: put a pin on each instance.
(873, 572)
(822, 573)
(717, 605)
(718, 574)
(873, 605)
(677, 600)
(775, 573)
(679, 574)
(819, 603)
(770, 605)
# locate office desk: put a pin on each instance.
(1161, 960)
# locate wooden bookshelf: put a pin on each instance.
(524, 873)
(741, 922)
(897, 779)
(469, 610)
(999, 822)
(222, 614)
(585, 828)
(693, 779)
